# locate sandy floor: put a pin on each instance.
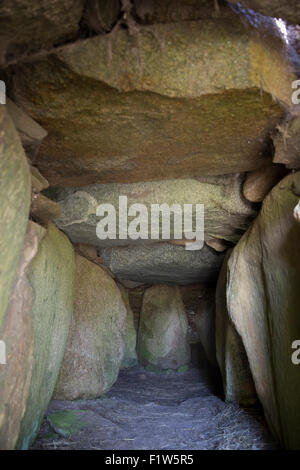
(145, 410)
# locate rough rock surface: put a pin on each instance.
(162, 336)
(163, 262)
(130, 284)
(96, 341)
(287, 10)
(263, 299)
(101, 15)
(238, 384)
(30, 132)
(136, 300)
(260, 182)
(17, 333)
(15, 198)
(51, 275)
(181, 408)
(27, 26)
(287, 141)
(130, 355)
(153, 11)
(43, 209)
(87, 251)
(217, 244)
(38, 182)
(171, 101)
(226, 213)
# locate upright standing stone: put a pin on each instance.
(17, 334)
(52, 277)
(162, 339)
(15, 198)
(96, 341)
(263, 299)
(231, 355)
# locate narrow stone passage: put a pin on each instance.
(146, 410)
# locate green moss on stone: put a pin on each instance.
(67, 422)
(183, 369)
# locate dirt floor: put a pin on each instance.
(146, 410)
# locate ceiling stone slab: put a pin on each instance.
(163, 263)
(174, 100)
(226, 213)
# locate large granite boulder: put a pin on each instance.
(226, 213)
(238, 383)
(52, 275)
(175, 100)
(27, 26)
(263, 299)
(15, 198)
(96, 341)
(163, 263)
(130, 355)
(17, 333)
(162, 337)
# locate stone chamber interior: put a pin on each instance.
(128, 343)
